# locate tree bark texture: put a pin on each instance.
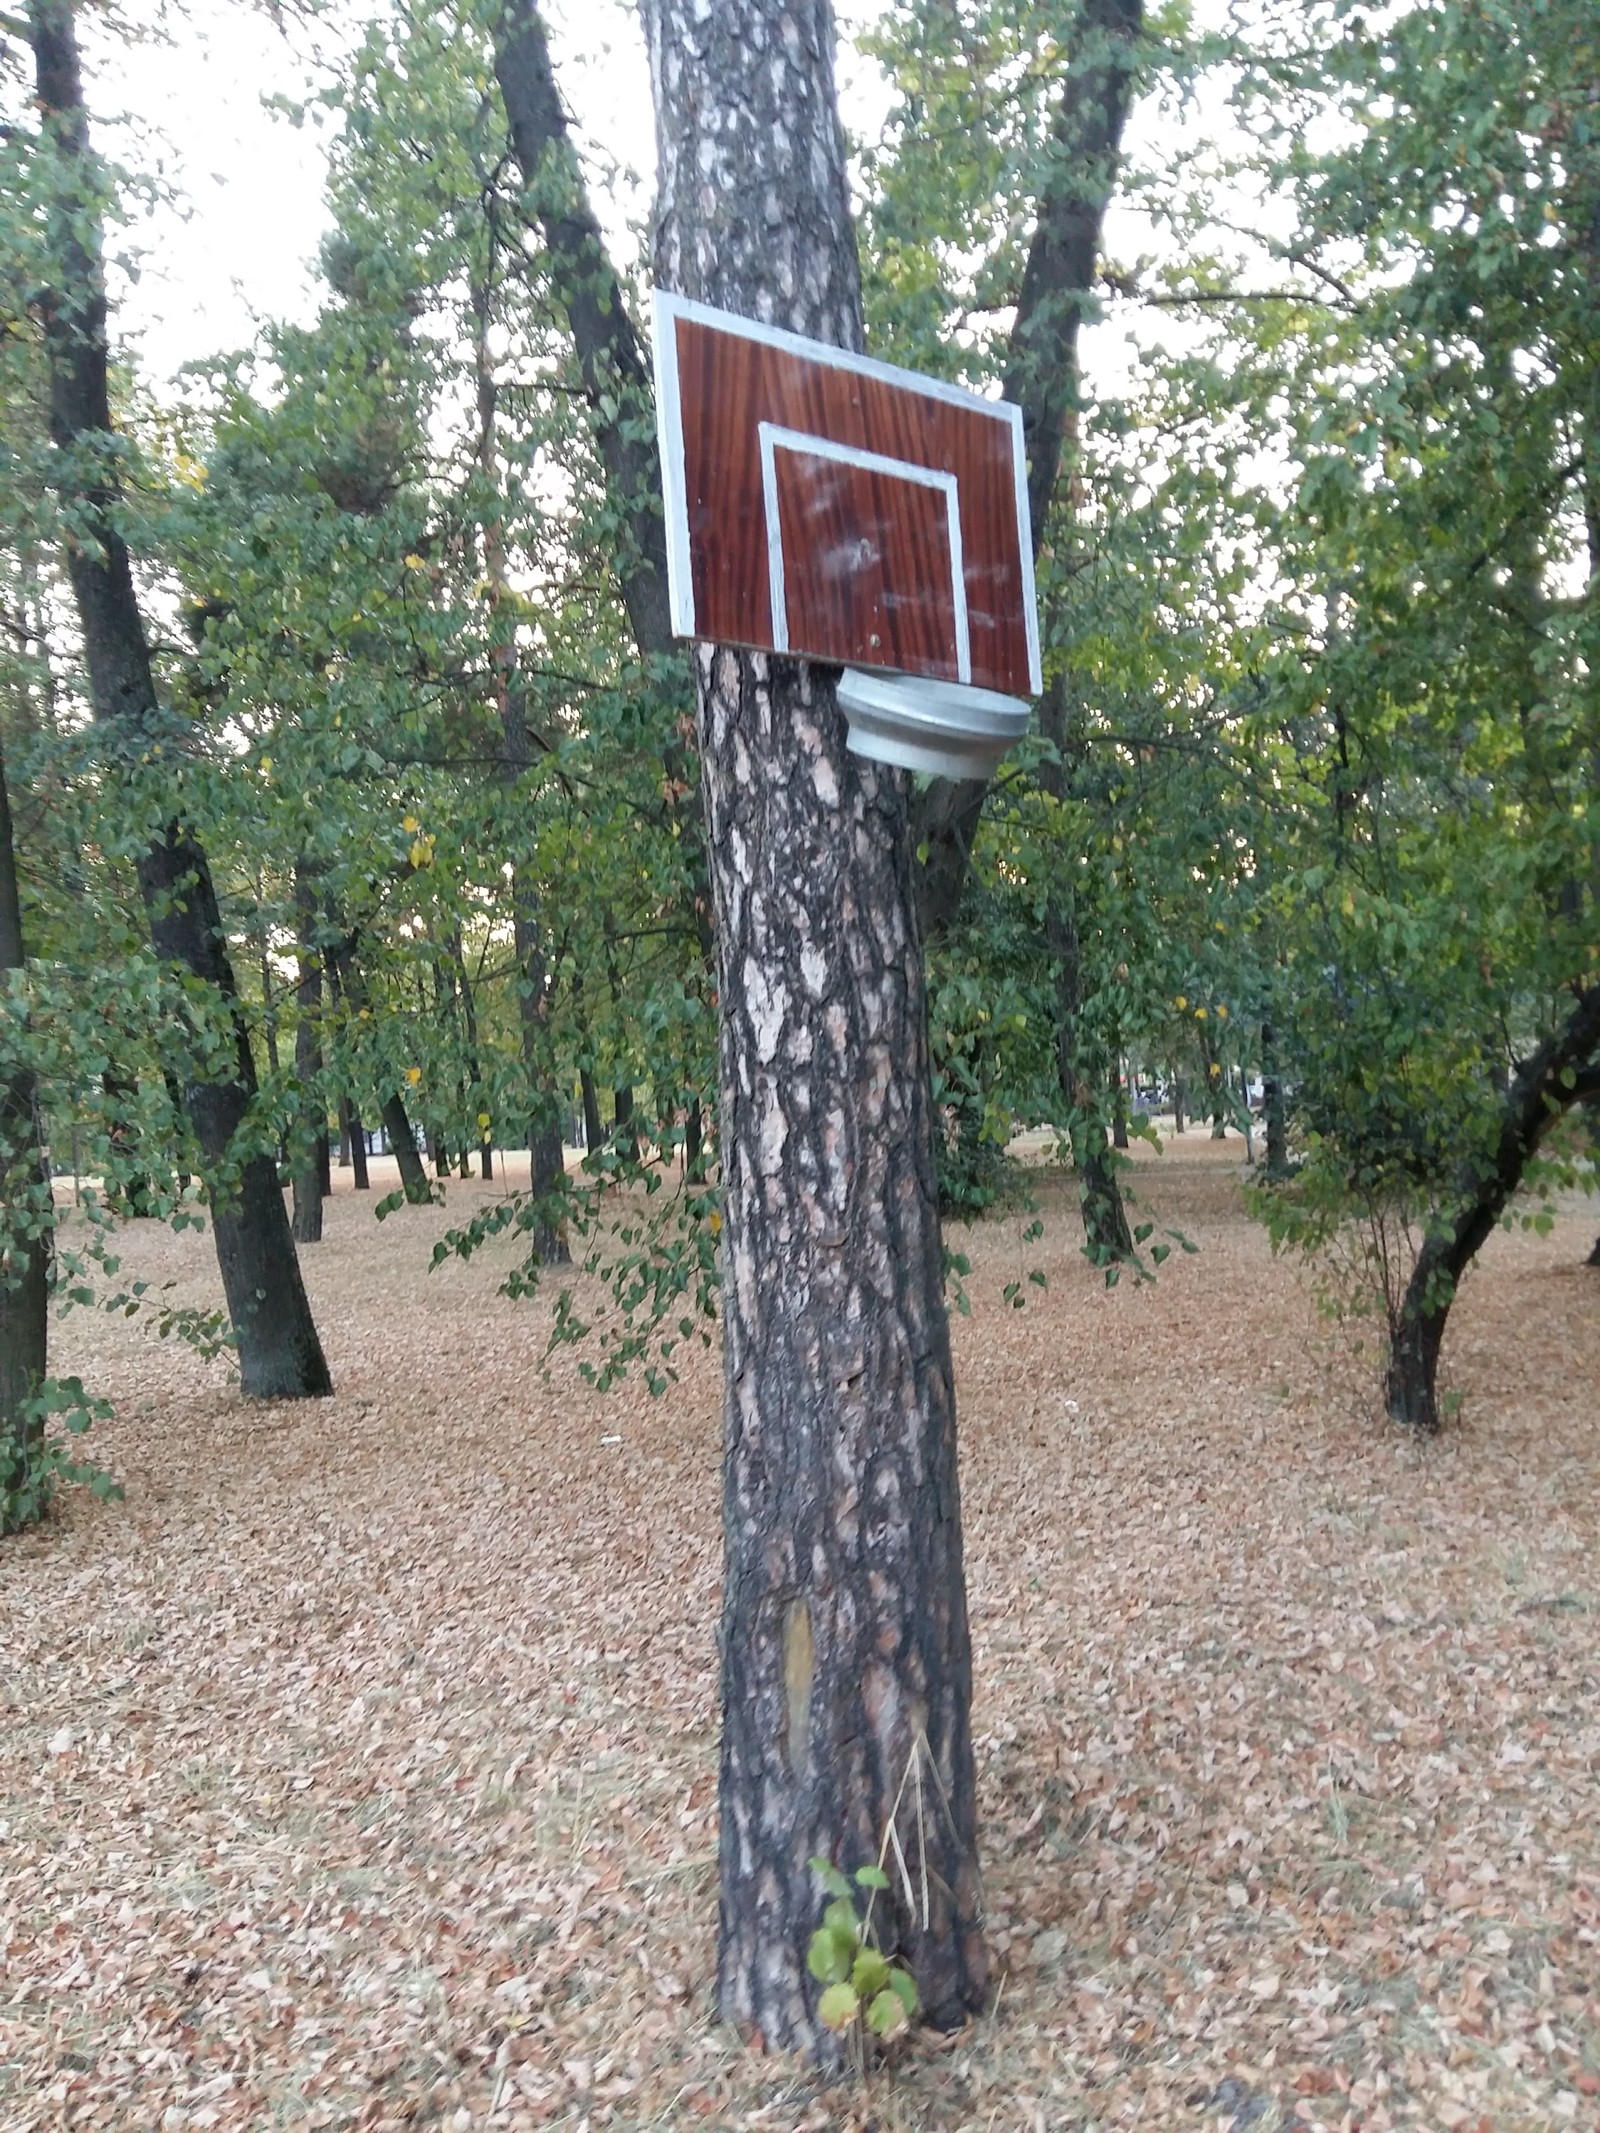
(1560, 1073)
(25, 1256)
(280, 1356)
(845, 1651)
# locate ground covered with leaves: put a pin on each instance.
(359, 1769)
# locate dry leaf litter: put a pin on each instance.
(359, 1770)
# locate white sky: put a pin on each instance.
(232, 242)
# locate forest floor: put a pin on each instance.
(359, 1769)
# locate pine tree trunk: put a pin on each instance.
(28, 1213)
(280, 1356)
(844, 1630)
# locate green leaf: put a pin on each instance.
(838, 2007)
(872, 1877)
(869, 1973)
(904, 1986)
(888, 2014)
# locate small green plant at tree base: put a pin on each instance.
(32, 1468)
(863, 1991)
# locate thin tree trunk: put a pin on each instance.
(311, 1126)
(1119, 1109)
(594, 1131)
(358, 1145)
(1273, 1104)
(1558, 1075)
(29, 1217)
(845, 1653)
(280, 1355)
(1098, 67)
(403, 1146)
(1177, 1103)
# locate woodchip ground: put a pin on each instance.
(359, 1769)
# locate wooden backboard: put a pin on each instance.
(834, 507)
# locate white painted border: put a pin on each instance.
(775, 439)
(667, 308)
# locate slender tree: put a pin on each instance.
(845, 1652)
(280, 1356)
(25, 1257)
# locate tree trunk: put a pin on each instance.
(845, 1653)
(594, 1131)
(28, 1212)
(1107, 1238)
(1098, 67)
(279, 1354)
(311, 1129)
(1558, 1075)
(403, 1146)
(354, 1138)
(1119, 1110)
(1273, 1104)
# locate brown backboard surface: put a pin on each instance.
(827, 505)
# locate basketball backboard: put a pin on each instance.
(824, 504)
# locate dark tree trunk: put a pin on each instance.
(28, 1214)
(1594, 1257)
(1119, 1110)
(845, 1653)
(353, 1140)
(1273, 1104)
(279, 1354)
(1558, 1074)
(403, 1146)
(130, 1189)
(1042, 366)
(694, 1154)
(1177, 1103)
(625, 1129)
(547, 1170)
(594, 1131)
(1107, 1238)
(311, 1129)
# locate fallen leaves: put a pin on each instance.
(360, 1769)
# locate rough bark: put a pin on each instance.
(1560, 1073)
(403, 1147)
(280, 1356)
(844, 1633)
(25, 1256)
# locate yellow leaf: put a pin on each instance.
(716, 1223)
(422, 851)
(411, 825)
(1222, 1014)
(483, 1120)
(413, 1075)
(415, 562)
